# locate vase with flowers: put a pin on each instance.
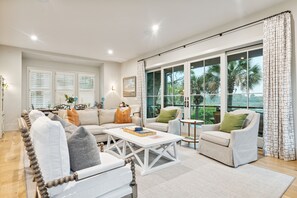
(71, 100)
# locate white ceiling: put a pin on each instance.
(88, 28)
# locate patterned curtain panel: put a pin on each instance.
(141, 89)
(279, 140)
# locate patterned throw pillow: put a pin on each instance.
(73, 117)
(123, 115)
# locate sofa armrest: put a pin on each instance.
(211, 127)
(151, 120)
(174, 126)
(136, 120)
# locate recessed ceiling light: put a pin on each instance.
(155, 28)
(110, 51)
(34, 37)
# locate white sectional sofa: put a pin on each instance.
(96, 121)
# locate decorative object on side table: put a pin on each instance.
(129, 86)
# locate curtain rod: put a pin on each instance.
(214, 36)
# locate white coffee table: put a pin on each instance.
(161, 145)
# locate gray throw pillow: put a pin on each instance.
(83, 150)
(55, 117)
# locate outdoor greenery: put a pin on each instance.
(244, 86)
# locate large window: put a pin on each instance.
(47, 89)
(205, 90)
(40, 88)
(153, 93)
(245, 82)
(86, 89)
(65, 84)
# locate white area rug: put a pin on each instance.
(198, 176)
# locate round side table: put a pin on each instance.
(191, 139)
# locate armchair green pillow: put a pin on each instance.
(166, 115)
(232, 122)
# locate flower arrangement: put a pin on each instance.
(70, 99)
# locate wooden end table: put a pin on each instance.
(191, 139)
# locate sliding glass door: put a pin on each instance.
(174, 82)
(153, 93)
(205, 90)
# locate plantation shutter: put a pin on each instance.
(65, 84)
(40, 89)
(86, 89)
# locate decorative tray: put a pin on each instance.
(142, 133)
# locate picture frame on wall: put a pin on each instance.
(129, 86)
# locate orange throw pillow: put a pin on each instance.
(123, 115)
(73, 117)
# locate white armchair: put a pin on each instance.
(113, 178)
(173, 126)
(235, 148)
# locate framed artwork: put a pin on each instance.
(129, 86)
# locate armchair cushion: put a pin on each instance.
(216, 137)
(51, 149)
(159, 126)
(83, 150)
(166, 115)
(104, 184)
(232, 122)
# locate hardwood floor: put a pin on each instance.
(12, 179)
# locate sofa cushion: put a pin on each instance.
(51, 149)
(159, 126)
(94, 129)
(83, 150)
(166, 115)
(122, 115)
(106, 116)
(73, 117)
(232, 122)
(34, 115)
(216, 137)
(114, 125)
(88, 117)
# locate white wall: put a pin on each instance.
(11, 70)
(233, 40)
(112, 77)
(56, 67)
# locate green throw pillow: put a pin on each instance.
(166, 115)
(232, 122)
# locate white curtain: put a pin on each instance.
(279, 140)
(141, 89)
